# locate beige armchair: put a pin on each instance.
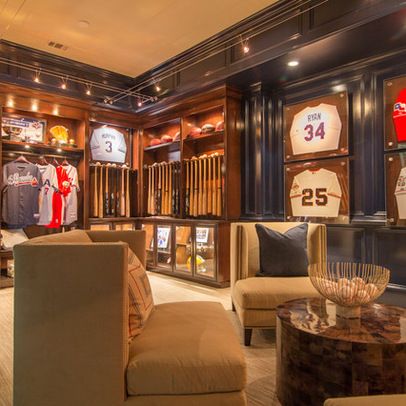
(255, 299)
(71, 332)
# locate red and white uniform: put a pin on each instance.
(58, 206)
(315, 193)
(399, 116)
(400, 194)
(71, 198)
(49, 186)
(316, 129)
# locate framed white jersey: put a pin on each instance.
(316, 129)
(315, 193)
(108, 144)
(400, 194)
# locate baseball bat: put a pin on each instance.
(100, 196)
(163, 208)
(192, 189)
(214, 189)
(159, 190)
(118, 192)
(219, 189)
(95, 197)
(106, 192)
(127, 195)
(149, 193)
(209, 192)
(170, 191)
(122, 199)
(167, 211)
(200, 191)
(187, 191)
(196, 187)
(112, 190)
(204, 206)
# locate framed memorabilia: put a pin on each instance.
(395, 113)
(109, 144)
(396, 189)
(318, 191)
(163, 234)
(316, 128)
(23, 129)
(202, 235)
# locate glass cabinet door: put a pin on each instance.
(163, 238)
(184, 249)
(149, 243)
(205, 253)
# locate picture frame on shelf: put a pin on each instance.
(317, 128)
(395, 113)
(15, 127)
(202, 235)
(318, 191)
(163, 236)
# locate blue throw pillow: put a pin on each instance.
(283, 254)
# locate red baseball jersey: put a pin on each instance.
(58, 206)
(399, 116)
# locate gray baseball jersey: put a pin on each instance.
(22, 183)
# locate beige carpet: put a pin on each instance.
(260, 356)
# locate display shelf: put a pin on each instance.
(41, 149)
(170, 146)
(215, 137)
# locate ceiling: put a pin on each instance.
(123, 36)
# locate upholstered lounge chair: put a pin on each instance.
(71, 332)
(255, 299)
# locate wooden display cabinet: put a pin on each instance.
(189, 249)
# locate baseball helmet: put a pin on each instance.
(220, 126)
(195, 131)
(207, 128)
(166, 138)
(155, 141)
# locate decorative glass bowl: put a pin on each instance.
(349, 285)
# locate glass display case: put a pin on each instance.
(164, 254)
(149, 243)
(204, 259)
(183, 249)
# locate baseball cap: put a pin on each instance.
(399, 116)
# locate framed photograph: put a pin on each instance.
(316, 128)
(396, 189)
(23, 129)
(109, 144)
(202, 235)
(395, 113)
(163, 235)
(318, 191)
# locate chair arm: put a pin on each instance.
(71, 324)
(134, 238)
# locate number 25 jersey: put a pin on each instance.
(316, 129)
(108, 144)
(315, 193)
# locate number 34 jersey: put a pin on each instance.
(108, 144)
(315, 193)
(316, 129)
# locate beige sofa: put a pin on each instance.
(379, 400)
(255, 299)
(71, 326)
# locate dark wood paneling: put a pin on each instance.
(346, 244)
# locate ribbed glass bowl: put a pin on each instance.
(348, 284)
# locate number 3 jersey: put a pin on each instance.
(108, 144)
(400, 194)
(315, 129)
(315, 193)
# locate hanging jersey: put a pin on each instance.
(108, 144)
(399, 116)
(49, 185)
(315, 194)
(22, 184)
(315, 129)
(71, 199)
(58, 207)
(400, 194)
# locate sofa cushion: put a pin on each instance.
(283, 254)
(186, 348)
(141, 303)
(377, 400)
(74, 236)
(270, 292)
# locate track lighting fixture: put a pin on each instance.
(139, 103)
(293, 63)
(89, 89)
(244, 45)
(36, 76)
(64, 84)
(157, 87)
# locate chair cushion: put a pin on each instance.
(141, 303)
(270, 292)
(74, 236)
(282, 254)
(377, 400)
(186, 348)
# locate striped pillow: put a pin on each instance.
(141, 303)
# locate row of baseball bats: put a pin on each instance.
(204, 186)
(164, 188)
(110, 187)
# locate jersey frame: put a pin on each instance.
(392, 87)
(340, 101)
(341, 166)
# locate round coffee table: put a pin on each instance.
(320, 355)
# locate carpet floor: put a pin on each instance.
(260, 356)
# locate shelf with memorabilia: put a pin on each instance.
(189, 249)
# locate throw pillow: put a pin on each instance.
(141, 303)
(283, 254)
